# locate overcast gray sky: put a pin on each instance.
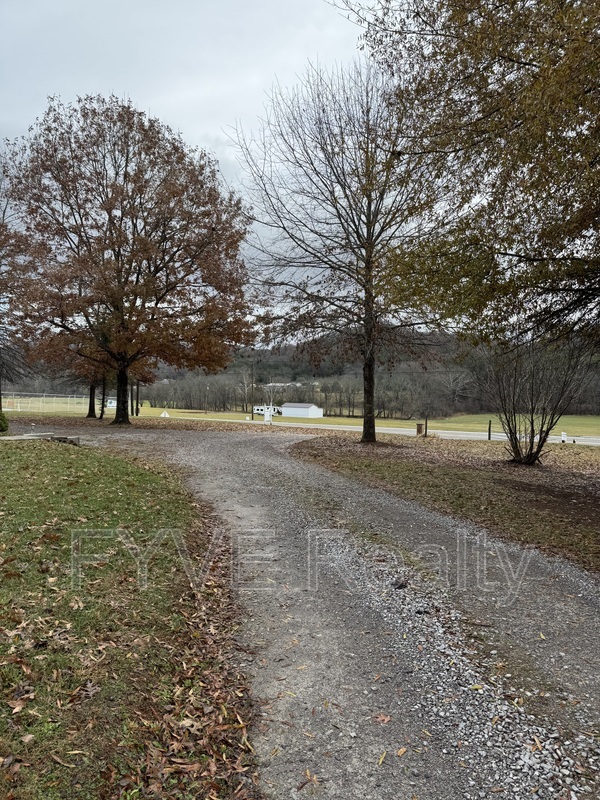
(198, 65)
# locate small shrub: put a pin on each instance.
(3, 423)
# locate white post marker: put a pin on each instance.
(563, 437)
(267, 416)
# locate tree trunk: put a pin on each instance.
(103, 399)
(368, 435)
(122, 413)
(137, 399)
(369, 401)
(92, 403)
(131, 402)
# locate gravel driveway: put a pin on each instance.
(393, 652)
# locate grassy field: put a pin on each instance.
(573, 425)
(555, 507)
(109, 690)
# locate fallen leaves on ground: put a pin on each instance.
(108, 690)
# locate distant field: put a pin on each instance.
(573, 425)
(184, 413)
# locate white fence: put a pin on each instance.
(44, 403)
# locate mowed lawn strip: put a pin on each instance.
(555, 506)
(108, 689)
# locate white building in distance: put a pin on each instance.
(301, 410)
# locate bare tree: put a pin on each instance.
(13, 364)
(456, 384)
(245, 384)
(337, 199)
(531, 385)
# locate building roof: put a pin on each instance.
(299, 405)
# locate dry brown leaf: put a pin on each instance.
(383, 719)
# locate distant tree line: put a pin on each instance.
(450, 384)
(405, 391)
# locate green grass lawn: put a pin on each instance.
(573, 425)
(108, 689)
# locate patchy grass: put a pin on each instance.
(108, 690)
(555, 507)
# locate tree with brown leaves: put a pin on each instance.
(133, 242)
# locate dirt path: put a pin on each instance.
(374, 679)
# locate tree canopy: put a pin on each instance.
(512, 92)
(133, 243)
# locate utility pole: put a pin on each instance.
(252, 389)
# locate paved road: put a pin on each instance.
(400, 431)
(442, 434)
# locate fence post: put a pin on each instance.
(490, 431)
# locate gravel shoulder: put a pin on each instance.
(394, 652)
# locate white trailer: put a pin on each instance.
(273, 410)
